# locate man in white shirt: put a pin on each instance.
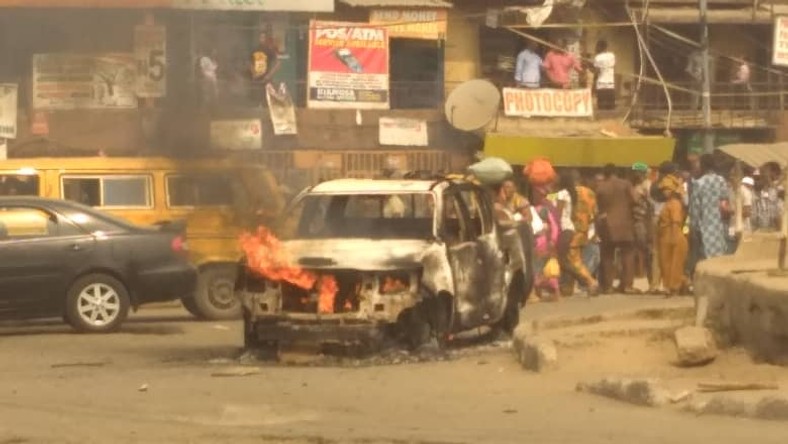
(209, 81)
(741, 83)
(747, 192)
(605, 85)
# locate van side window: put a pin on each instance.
(108, 191)
(19, 185)
(192, 191)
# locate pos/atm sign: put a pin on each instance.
(150, 52)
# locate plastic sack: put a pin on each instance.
(539, 172)
(491, 171)
(551, 269)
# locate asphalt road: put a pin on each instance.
(157, 381)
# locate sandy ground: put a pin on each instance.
(60, 387)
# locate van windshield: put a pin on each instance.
(354, 216)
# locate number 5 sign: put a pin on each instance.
(150, 51)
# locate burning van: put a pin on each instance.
(356, 260)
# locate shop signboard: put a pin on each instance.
(425, 24)
(84, 81)
(780, 41)
(282, 110)
(403, 132)
(546, 102)
(150, 50)
(257, 5)
(8, 107)
(348, 66)
(237, 135)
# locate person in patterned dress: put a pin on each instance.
(709, 208)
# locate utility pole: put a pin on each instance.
(708, 136)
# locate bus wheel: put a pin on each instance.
(215, 297)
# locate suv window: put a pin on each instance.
(108, 191)
(194, 191)
(19, 185)
(455, 224)
(25, 223)
(478, 211)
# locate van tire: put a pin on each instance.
(190, 304)
(215, 296)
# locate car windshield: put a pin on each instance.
(354, 216)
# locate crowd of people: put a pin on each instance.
(593, 229)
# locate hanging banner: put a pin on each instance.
(780, 49)
(348, 66)
(237, 134)
(425, 24)
(521, 102)
(282, 110)
(84, 81)
(150, 50)
(8, 107)
(403, 132)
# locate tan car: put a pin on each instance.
(218, 199)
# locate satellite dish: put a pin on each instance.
(473, 105)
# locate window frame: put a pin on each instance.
(167, 194)
(101, 177)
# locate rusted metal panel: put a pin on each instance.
(755, 154)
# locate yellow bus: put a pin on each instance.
(218, 198)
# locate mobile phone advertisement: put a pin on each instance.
(348, 66)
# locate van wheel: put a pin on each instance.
(215, 297)
(97, 303)
(511, 313)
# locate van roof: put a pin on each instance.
(120, 163)
(374, 186)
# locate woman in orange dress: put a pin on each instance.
(672, 242)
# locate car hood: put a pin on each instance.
(357, 254)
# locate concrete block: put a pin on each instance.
(695, 346)
(721, 405)
(644, 392)
(536, 353)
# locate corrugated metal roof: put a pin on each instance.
(398, 3)
(757, 154)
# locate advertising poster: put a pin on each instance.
(348, 66)
(84, 81)
(8, 107)
(282, 110)
(403, 132)
(244, 134)
(425, 24)
(780, 50)
(150, 50)
(545, 102)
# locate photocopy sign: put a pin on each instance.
(521, 102)
(150, 51)
(780, 49)
(8, 95)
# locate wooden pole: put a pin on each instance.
(784, 224)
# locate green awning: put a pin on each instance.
(580, 151)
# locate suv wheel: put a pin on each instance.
(215, 297)
(97, 303)
(511, 313)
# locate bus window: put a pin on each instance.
(19, 185)
(109, 191)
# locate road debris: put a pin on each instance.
(680, 397)
(220, 327)
(237, 371)
(645, 392)
(79, 364)
(143, 388)
(709, 387)
(536, 353)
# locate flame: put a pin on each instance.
(327, 291)
(266, 257)
(393, 285)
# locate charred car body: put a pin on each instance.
(418, 259)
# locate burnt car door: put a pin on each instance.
(464, 259)
(37, 250)
(494, 274)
